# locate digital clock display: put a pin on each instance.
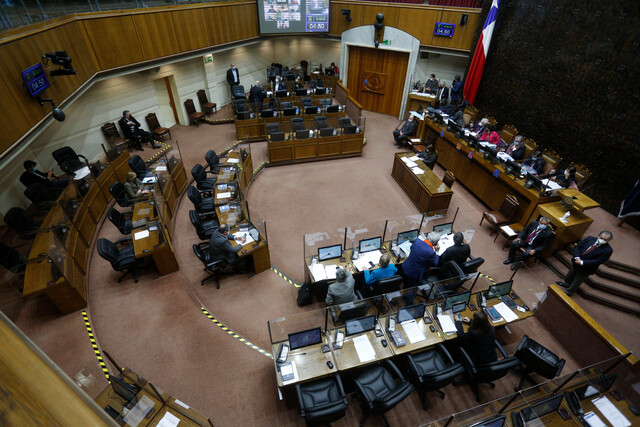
(36, 79)
(443, 29)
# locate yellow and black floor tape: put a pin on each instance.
(233, 334)
(488, 277)
(163, 150)
(94, 345)
(284, 276)
(259, 168)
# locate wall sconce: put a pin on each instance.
(347, 14)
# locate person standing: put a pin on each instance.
(588, 254)
(534, 239)
(233, 78)
(256, 95)
(456, 88)
(442, 94)
(341, 291)
(431, 85)
(421, 258)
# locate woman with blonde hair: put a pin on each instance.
(386, 270)
(134, 187)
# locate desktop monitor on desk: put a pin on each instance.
(458, 302)
(360, 325)
(368, 245)
(329, 252)
(493, 422)
(512, 168)
(277, 136)
(266, 113)
(301, 92)
(405, 236)
(311, 109)
(539, 409)
(454, 127)
(534, 182)
(349, 311)
(415, 311)
(333, 108)
(600, 385)
(281, 93)
(305, 338)
(123, 389)
(499, 289)
(302, 134)
(444, 228)
(289, 111)
(325, 132)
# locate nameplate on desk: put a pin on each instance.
(144, 211)
(496, 173)
(141, 235)
(458, 146)
(470, 155)
(225, 195)
(442, 134)
(233, 160)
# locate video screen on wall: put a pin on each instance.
(293, 16)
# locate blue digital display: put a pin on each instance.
(36, 79)
(444, 29)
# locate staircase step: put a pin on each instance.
(610, 300)
(625, 267)
(619, 275)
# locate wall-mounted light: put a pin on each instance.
(347, 14)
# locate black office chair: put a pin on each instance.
(42, 198)
(536, 358)
(384, 286)
(432, 370)
(200, 175)
(213, 267)
(380, 391)
(118, 192)
(68, 160)
(238, 92)
(486, 373)
(344, 121)
(306, 101)
(12, 260)
(472, 265)
(320, 122)
(285, 104)
(322, 401)
(123, 224)
(449, 278)
(213, 160)
(205, 206)
(273, 127)
(297, 123)
(320, 89)
(138, 166)
(120, 259)
(204, 229)
(21, 222)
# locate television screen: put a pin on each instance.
(329, 252)
(358, 326)
(305, 338)
(36, 79)
(444, 29)
(293, 16)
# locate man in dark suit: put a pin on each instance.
(48, 180)
(407, 130)
(132, 130)
(431, 85)
(456, 90)
(535, 161)
(588, 254)
(233, 76)
(420, 260)
(221, 249)
(534, 239)
(459, 252)
(516, 149)
(256, 95)
(280, 84)
(442, 95)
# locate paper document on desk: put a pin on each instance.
(409, 162)
(161, 168)
(287, 369)
(593, 420)
(412, 331)
(330, 271)
(445, 243)
(508, 230)
(504, 156)
(507, 314)
(149, 180)
(366, 258)
(610, 412)
(233, 160)
(364, 348)
(225, 195)
(240, 234)
(414, 158)
(318, 272)
(446, 323)
(141, 235)
(169, 420)
(406, 247)
(417, 171)
(144, 211)
(138, 412)
(552, 185)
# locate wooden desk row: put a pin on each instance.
(256, 129)
(315, 148)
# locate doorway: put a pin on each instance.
(166, 92)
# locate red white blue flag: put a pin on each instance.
(472, 82)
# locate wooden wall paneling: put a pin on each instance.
(220, 30)
(156, 34)
(12, 121)
(114, 41)
(419, 23)
(390, 13)
(75, 41)
(190, 29)
(246, 21)
(462, 35)
(338, 23)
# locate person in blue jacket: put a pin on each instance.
(386, 270)
(420, 260)
(456, 88)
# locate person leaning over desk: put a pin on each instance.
(535, 161)
(386, 270)
(134, 187)
(341, 291)
(565, 178)
(421, 258)
(479, 340)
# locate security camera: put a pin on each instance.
(62, 59)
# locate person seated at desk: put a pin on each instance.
(32, 175)
(421, 258)
(431, 85)
(479, 340)
(536, 162)
(334, 68)
(280, 84)
(492, 136)
(341, 291)
(458, 116)
(534, 239)
(565, 178)
(429, 156)
(131, 129)
(459, 252)
(221, 249)
(407, 130)
(297, 85)
(134, 187)
(516, 149)
(386, 270)
(480, 127)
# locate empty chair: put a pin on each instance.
(431, 370)
(41, 197)
(450, 278)
(214, 267)
(448, 179)
(507, 133)
(320, 122)
(503, 215)
(472, 265)
(202, 205)
(319, 85)
(194, 116)
(273, 127)
(155, 128)
(285, 104)
(238, 92)
(486, 373)
(306, 101)
(297, 123)
(138, 166)
(12, 260)
(207, 106)
(21, 222)
(200, 175)
(529, 147)
(118, 192)
(213, 161)
(120, 259)
(204, 229)
(552, 160)
(120, 221)
(240, 105)
(113, 137)
(381, 388)
(68, 160)
(536, 358)
(384, 286)
(344, 121)
(322, 401)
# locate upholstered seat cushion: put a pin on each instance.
(495, 217)
(428, 362)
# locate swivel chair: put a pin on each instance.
(123, 224)
(68, 160)
(381, 388)
(21, 222)
(472, 265)
(118, 192)
(432, 370)
(200, 175)
(384, 286)
(449, 279)
(322, 401)
(238, 92)
(120, 259)
(306, 101)
(204, 229)
(138, 166)
(536, 358)
(42, 198)
(213, 267)
(205, 206)
(213, 160)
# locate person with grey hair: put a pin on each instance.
(434, 238)
(256, 95)
(480, 127)
(341, 291)
(221, 249)
(459, 252)
(516, 149)
(588, 254)
(535, 238)
(442, 94)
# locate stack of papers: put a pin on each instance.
(552, 185)
(417, 171)
(225, 195)
(241, 234)
(161, 168)
(503, 156)
(409, 162)
(149, 180)
(610, 412)
(364, 260)
(507, 314)
(138, 412)
(446, 323)
(593, 420)
(169, 420)
(286, 370)
(508, 230)
(233, 160)
(141, 235)
(412, 331)
(364, 348)
(323, 272)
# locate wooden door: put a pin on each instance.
(376, 78)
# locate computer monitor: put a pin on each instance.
(349, 129)
(444, 228)
(493, 422)
(281, 93)
(301, 92)
(123, 389)
(438, 117)
(454, 127)
(360, 325)
(499, 289)
(410, 236)
(305, 338)
(600, 385)
(326, 132)
(472, 141)
(333, 108)
(329, 72)
(350, 311)
(289, 111)
(534, 182)
(329, 252)
(541, 408)
(311, 109)
(320, 91)
(277, 136)
(368, 245)
(457, 302)
(411, 312)
(512, 168)
(302, 134)
(266, 113)
(244, 115)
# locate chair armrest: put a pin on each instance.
(85, 159)
(203, 245)
(446, 353)
(501, 350)
(413, 369)
(467, 362)
(394, 368)
(123, 240)
(300, 401)
(340, 388)
(358, 294)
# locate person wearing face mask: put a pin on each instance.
(566, 178)
(588, 254)
(280, 85)
(48, 180)
(233, 76)
(534, 239)
(516, 149)
(536, 162)
(431, 86)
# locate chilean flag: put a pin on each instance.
(472, 82)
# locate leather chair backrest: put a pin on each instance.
(198, 173)
(201, 255)
(386, 285)
(582, 174)
(529, 147)
(537, 358)
(137, 164)
(285, 104)
(109, 130)
(509, 206)
(37, 193)
(319, 83)
(152, 121)
(212, 158)
(306, 101)
(297, 123)
(194, 196)
(273, 127)
(189, 106)
(508, 132)
(489, 372)
(472, 265)
(63, 154)
(320, 122)
(240, 105)
(344, 121)
(471, 111)
(202, 97)
(19, 220)
(196, 221)
(108, 250)
(552, 158)
(448, 179)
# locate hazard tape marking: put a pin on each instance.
(233, 334)
(94, 345)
